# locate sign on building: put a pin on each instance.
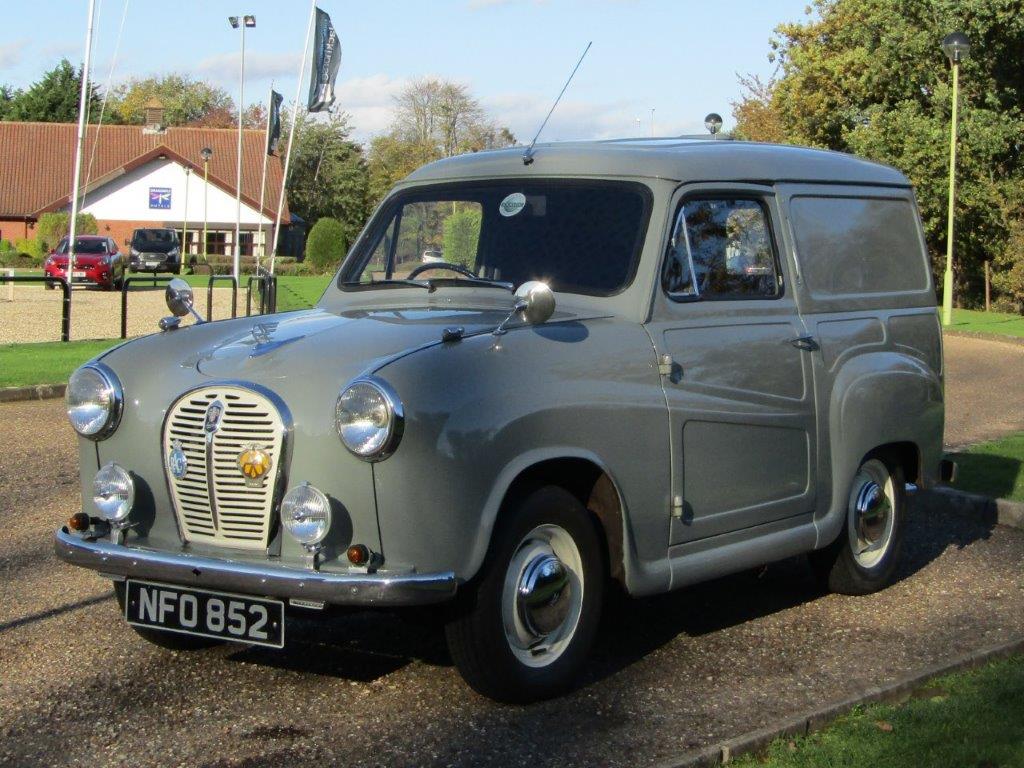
(159, 197)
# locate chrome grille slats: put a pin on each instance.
(212, 501)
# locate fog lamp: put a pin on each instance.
(306, 514)
(79, 522)
(358, 554)
(113, 493)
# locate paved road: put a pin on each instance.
(984, 389)
(669, 674)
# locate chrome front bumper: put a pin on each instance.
(360, 589)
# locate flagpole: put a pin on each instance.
(69, 271)
(263, 180)
(291, 134)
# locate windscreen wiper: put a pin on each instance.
(449, 282)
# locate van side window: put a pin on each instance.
(721, 248)
(850, 246)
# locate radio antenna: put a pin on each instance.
(528, 154)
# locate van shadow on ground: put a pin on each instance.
(365, 646)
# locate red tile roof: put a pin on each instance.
(37, 160)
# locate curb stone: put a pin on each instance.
(36, 392)
(816, 719)
(999, 337)
(999, 511)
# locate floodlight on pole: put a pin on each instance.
(956, 46)
(247, 21)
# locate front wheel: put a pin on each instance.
(536, 608)
(865, 556)
(169, 640)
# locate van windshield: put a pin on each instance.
(579, 237)
(155, 240)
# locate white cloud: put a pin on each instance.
(10, 53)
(370, 102)
(269, 65)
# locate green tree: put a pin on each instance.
(326, 244)
(868, 77)
(328, 176)
(7, 95)
(52, 227)
(52, 99)
(461, 236)
(186, 101)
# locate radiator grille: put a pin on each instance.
(212, 498)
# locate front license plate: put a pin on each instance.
(78, 273)
(208, 614)
(152, 264)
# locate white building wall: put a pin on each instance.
(126, 198)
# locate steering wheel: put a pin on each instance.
(442, 265)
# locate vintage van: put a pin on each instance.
(643, 362)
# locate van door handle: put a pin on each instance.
(806, 343)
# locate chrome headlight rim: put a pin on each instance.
(115, 392)
(396, 418)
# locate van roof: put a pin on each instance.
(675, 159)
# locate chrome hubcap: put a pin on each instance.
(871, 516)
(542, 596)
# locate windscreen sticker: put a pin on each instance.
(512, 204)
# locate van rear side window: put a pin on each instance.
(851, 246)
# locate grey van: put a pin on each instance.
(643, 362)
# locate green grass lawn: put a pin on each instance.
(994, 469)
(293, 291)
(971, 719)
(46, 363)
(999, 323)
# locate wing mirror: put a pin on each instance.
(181, 301)
(535, 301)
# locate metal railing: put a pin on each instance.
(267, 292)
(124, 296)
(65, 287)
(209, 295)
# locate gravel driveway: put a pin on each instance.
(984, 389)
(35, 313)
(670, 674)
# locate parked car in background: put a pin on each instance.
(97, 261)
(155, 250)
(432, 256)
(656, 363)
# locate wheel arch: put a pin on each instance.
(583, 475)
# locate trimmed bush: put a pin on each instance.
(325, 246)
(31, 248)
(54, 226)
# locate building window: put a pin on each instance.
(217, 243)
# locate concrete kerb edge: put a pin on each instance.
(1015, 340)
(1002, 511)
(35, 392)
(816, 719)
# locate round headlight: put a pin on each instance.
(306, 514)
(369, 419)
(94, 401)
(113, 492)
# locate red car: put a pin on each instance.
(97, 260)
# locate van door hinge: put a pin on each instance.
(677, 507)
(665, 364)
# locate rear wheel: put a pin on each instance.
(865, 556)
(169, 640)
(536, 608)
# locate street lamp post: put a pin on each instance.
(240, 22)
(206, 153)
(956, 47)
(184, 221)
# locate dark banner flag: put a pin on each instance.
(274, 123)
(326, 60)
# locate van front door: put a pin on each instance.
(737, 368)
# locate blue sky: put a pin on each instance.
(680, 57)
